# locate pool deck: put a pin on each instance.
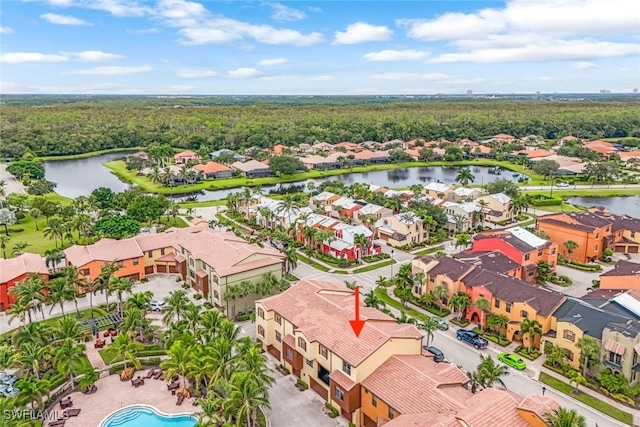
(114, 394)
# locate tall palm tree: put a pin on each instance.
(75, 282)
(126, 349)
(570, 246)
(67, 327)
(140, 300)
(291, 259)
(428, 326)
(562, 417)
(67, 356)
(192, 317)
(106, 279)
(178, 362)
(465, 176)
(82, 224)
(52, 257)
(19, 247)
(33, 391)
(441, 293)
(59, 293)
(532, 328)
(589, 352)
(372, 300)
(92, 287)
(247, 397)
(288, 206)
(54, 229)
(30, 292)
(32, 357)
(483, 305)
(19, 310)
(361, 241)
(175, 306)
(459, 302)
(122, 286)
(490, 373)
(135, 322)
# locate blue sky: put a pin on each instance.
(322, 47)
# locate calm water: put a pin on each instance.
(79, 177)
(619, 205)
(389, 178)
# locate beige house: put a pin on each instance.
(438, 190)
(463, 194)
(461, 217)
(496, 207)
(621, 349)
(402, 229)
(371, 210)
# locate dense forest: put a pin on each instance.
(75, 125)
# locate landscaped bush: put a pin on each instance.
(243, 317)
(376, 257)
(522, 351)
(492, 337)
(302, 386)
(156, 352)
(333, 411)
(560, 280)
(542, 200)
(197, 296)
(207, 305)
(578, 265)
(462, 323)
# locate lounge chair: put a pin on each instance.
(72, 412)
(150, 374)
(175, 378)
(173, 386)
(57, 423)
(180, 399)
(157, 374)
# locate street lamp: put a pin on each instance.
(392, 263)
(543, 390)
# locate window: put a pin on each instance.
(120, 263)
(633, 234)
(539, 252)
(391, 413)
(323, 351)
(288, 353)
(374, 400)
(570, 355)
(597, 235)
(553, 251)
(569, 336)
(595, 249)
(496, 304)
(85, 271)
(346, 368)
(150, 254)
(432, 279)
(278, 319)
(527, 256)
(191, 262)
(339, 393)
(161, 251)
(136, 261)
(278, 336)
(614, 358)
(260, 313)
(302, 343)
(261, 331)
(216, 295)
(524, 314)
(508, 308)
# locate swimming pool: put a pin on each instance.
(146, 416)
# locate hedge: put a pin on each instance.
(546, 202)
(153, 361)
(491, 337)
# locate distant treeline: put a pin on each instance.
(81, 125)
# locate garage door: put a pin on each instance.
(173, 269)
(148, 270)
(162, 268)
(274, 352)
(323, 392)
(633, 249)
(619, 248)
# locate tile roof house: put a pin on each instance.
(401, 229)
(538, 153)
(492, 260)
(461, 217)
(214, 170)
(462, 194)
(438, 190)
(496, 207)
(185, 156)
(14, 270)
(346, 207)
(252, 169)
(620, 349)
(521, 246)
(603, 148)
(372, 210)
(624, 276)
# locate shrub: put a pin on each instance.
(144, 280)
(127, 374)
(178, 279)
(333, 411)
(207, 305)
(185, 285)
(20, 216)
(302, 386)
(243, 317)
(197, 296)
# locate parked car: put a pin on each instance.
(438, 356)
(472, 338)
(442, 325)
(156, 305)
(512, 360)
(562, 184)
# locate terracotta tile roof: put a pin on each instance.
(424, 419)
(278, 148)
(342, 380)
(321, 310)
(503, 136)
(494, 261)
(211, 167)
(290, 340)
(103, 250)
(531, 154)
(539, 405)
(26, 263)
(170, 257)
(410, 384)
(615, 347)
(186, 154)
(249, 166)
(452, 268)
(624, 268)
(493, 407)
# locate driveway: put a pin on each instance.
(581, 280)
(292, 408)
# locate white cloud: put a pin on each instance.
(284, 13)
(119, 8)
(196, 74)
(274, 61)
(323, 78)
(396, 56)
(143, 31)
(63, 19)
(544, 50)
(244, 73)
(361, 32)
(541, 79)
(582, 65)
(455, 26)
(31, 57)
(96, 56)
(114, 71)
(6, 30)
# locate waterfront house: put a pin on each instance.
(252, 169)
(186, 156)
(496, 207)
(214, 170)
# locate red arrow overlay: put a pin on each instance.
(357, 324)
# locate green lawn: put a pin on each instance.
(587, 191)
(35, 238)
(109, 356)
(375, 266)
(312, 263)
(204, 204)
(382, 294)
(118, 167)
(429, 250)
(587, 399)
(565, 207)
(51, 322)
(89, 154)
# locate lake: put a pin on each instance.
(619, 205)
(79, 177)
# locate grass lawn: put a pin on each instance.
(35, 238)
(375, 266)
(382, 294)
(565, 207)
(587, 399)
(109, 356)
(204, 204)
(89, 154)
(312, 263)
(429, 250)
(587, 191)
(118, 167)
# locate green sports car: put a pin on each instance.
(512, 360)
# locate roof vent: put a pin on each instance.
(577, 315)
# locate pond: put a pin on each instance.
(79, 177)
(394, 178)
(619, 205)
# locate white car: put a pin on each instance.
(562, 184)
(156, 305)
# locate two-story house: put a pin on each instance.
(373, 212)
(496, 207)
(446, 271)
(620, 349)
(520, 245)
(346, 207)
(463, 194)
(461, 217)
(323, 200)
(624, 276)
(438, 190)
(401, 229)
(14, 270)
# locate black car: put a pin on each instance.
(438, 356)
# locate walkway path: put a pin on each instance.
(12, 184)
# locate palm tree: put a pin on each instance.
(59, 293)
(474, 381)
(246, 398)
(121, 286)
(556, 355)
(140, 300)
(82, 224)
(291, 259)
(562, 417)
(465, 176)
(54, 229)
(428, 326)
(192, 317)
(460, 220)
(106, 279)
(126, 349)
(67, 356)
(135, 322)
(52, 257)
(175, 306)
(288, 206)
(33, 391)
(178, 362)
(440, 292)
(35, 214)
(361, 241)
(30, 292)
(3, 245)
(483, 305)
(67, 327)
(490, 373)
(532, 328)
(19, 310)
(372, 300)
(19, 247)
(570, 246)
(88, 380)
(589, 352)
(91, 287)
(32, 357)
(75, 282)
(576, 378)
